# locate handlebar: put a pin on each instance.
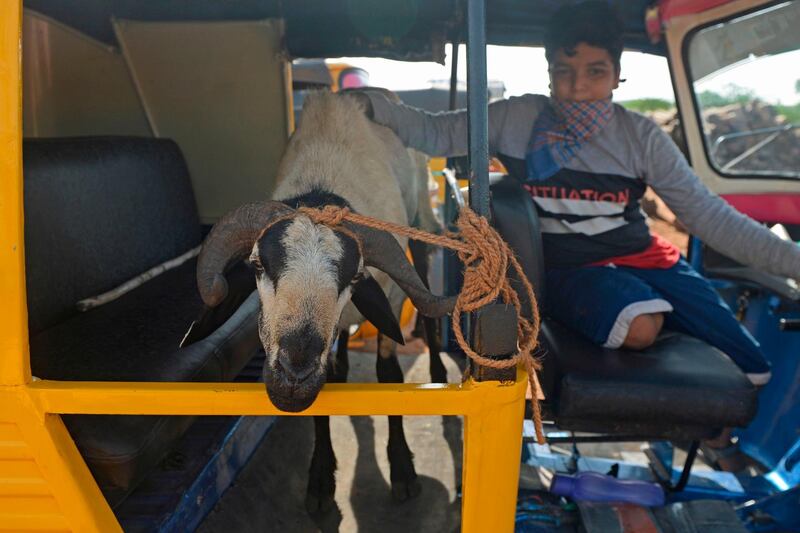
(789, 324)
(784, 287)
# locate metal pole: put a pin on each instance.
(453, 203)
(492, 329)
(477, 108)
(454, 76)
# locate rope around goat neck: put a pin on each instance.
(486, 258)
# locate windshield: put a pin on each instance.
(746, 80)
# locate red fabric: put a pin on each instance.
(660, 254)
(768, 207)
(676, 8)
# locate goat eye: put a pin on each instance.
(257, 266)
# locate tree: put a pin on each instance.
(732, 94)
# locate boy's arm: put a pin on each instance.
(437, 134)
(710, 217)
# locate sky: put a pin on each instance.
(524, 70)
(773, 78)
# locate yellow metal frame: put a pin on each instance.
(44, 482)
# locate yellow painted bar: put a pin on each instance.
(492, 454)
(493, 421)
(492, 444)
(151, 398)
(14, 366)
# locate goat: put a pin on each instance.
(313, 282)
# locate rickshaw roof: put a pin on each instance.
(411, 30)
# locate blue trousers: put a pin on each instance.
(600, 302)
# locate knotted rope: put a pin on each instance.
(486, 258)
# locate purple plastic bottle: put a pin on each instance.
(596, 487)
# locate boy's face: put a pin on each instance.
(590, 74)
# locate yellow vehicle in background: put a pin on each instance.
(346, 76)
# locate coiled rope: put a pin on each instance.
(486, 258)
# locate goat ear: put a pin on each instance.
(373, 304)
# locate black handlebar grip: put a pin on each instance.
(790, 324)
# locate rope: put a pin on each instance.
(486, 258)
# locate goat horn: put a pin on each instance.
(382, 251)
(231, 239)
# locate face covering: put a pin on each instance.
(560, 131)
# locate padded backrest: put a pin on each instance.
(99, 211)
(515, 217)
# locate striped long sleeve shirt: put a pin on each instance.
(589, 211)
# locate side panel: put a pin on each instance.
(74, 85)
(26, 501)
(775, 207)
(219, 90)
(44, 483)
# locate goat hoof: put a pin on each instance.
(402, 473)
(405, 490)
(321, 489)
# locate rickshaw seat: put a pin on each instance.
(100, 211)
(680, 388)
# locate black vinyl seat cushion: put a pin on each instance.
(136, 338)
(98, 212)
(679, 388)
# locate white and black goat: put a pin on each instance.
(308, 276)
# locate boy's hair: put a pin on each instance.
(594, 22)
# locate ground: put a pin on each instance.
(268, 494)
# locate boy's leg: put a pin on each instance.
(643, 331)
(701, 312)
(605, 304)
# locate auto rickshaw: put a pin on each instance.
(122, 122)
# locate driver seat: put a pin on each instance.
(680, 388)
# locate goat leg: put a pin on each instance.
(437, 369)
(321, 479)
(321, 474)
(338, 374)
(420, 255)
(401, 461)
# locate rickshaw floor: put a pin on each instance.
(154, 500)
(157, 504)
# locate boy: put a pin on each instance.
(587, 162)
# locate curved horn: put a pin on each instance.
(382, 251)
(231, 239)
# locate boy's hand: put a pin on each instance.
(362, 99)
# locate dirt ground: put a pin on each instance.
(269, 493)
